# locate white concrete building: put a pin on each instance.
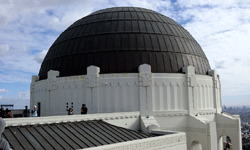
(160, 73)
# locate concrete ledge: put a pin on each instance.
(162, 131)
(171, 142)
(170, 113)
(69, 118)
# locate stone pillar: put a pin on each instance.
(34, 78)
(203, 131)
(216, 90)
(212, 135)
(148, 121)
(51, 100)
(219, 90)
(236, 136)
(146, 95)
(191, 87)
(230, 125)
(92, 89)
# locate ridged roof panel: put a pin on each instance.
(69, 136)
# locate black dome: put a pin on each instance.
(119, 40)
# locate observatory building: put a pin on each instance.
(143, 66)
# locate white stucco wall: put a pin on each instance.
(204, 92)
(118, 93)
(169, 92)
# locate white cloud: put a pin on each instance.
(10, 9)
(24, 95)
(4, 49)
(39, 57)
(20, 61)
(211, 3)
(223, 31)
(3, 91)
(221, 64)
(14, 76)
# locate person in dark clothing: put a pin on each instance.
(84, 109)
(2, 112)
(6, 112)
(70, 112)
(26, 112)
(4, 145)
(227, 146)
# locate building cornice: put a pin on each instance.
(69, 118)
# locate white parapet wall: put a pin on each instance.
(114, 93)
(104, 93)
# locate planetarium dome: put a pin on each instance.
(119, 40)
(138, 69)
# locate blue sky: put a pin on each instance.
(29, 27)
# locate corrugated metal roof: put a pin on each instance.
(71, 135)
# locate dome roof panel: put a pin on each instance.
(118, 40)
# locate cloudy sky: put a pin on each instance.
(29, 27)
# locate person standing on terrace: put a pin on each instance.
(84, 109)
